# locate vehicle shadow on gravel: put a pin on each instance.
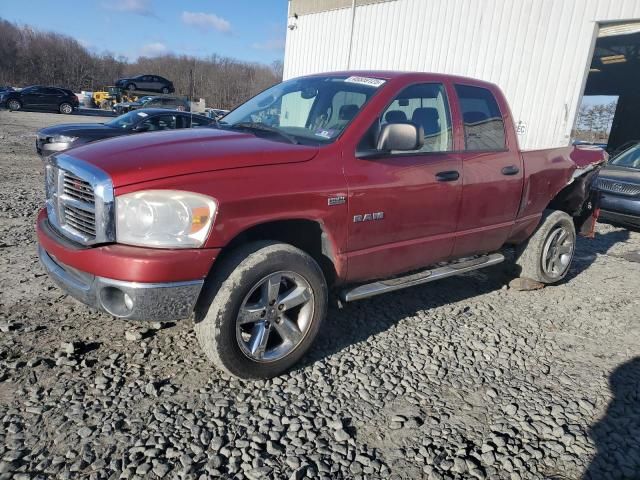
(616, 434)
(360, 321)
(588, 249)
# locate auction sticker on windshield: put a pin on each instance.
(372, 82)
(142, 114)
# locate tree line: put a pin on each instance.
(33, 57)
(594, 122)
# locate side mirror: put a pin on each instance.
(141, 128)
(400, 136)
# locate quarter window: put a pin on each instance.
(483, 124)
(426, 106)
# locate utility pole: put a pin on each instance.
(353, 21)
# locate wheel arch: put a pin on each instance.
(308, 235)
(578, 199)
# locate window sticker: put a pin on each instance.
(372, 82)
(325, 133)
(142, 114)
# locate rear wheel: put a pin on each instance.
(547, 255)
(165, 90)
(14, 105)
(66, 108)
(261, 309)
(131, 87)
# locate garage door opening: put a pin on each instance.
(610, 110)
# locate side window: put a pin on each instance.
(161, 122)
(182, 121)
(426, 106)
(199, 122)
(483, 124)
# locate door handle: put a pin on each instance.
(448, 176)
(510, 170)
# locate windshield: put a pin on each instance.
(311, 109)
(630, 158)
(127, 120)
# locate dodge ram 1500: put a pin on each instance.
(353, 183)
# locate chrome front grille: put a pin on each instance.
(79, 200)
(77, 188)
(614, 186)
(81, 220)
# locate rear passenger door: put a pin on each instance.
(492, 172)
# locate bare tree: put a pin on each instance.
(33, 57)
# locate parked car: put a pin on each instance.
(171, 103)
(41, 98)
(370, 182)
(146, 83)
(125, 107)
(619, 184)
(59, 138)
(6, 88)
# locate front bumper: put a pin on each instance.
(620, 209)
(161, 284)
(130, 300)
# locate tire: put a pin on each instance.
(546, 257)
(131, 87)
(65, 108)
(237, 284)
(165, 90)
(14, 105)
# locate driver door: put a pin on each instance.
(403, 206)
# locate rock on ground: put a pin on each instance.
(453, 380)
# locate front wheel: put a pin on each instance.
(14, 105)
(547, 255)
(261, 309)
(66, 108)
(131, 87)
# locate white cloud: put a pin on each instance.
(137, 7)
(154, 49)
(206, 21)
(271, 44)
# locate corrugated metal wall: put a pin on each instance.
(537, 51)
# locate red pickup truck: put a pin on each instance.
(353, 183)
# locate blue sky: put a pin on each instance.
(250, 30)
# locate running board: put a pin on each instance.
(425, 276)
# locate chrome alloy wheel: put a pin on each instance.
(558, 252)
(66, 108)
(275, 316)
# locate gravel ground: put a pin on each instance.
(464, 378)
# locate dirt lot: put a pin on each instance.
(459, 379)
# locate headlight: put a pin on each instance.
(164, 218)
(62, 139)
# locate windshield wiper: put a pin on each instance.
(257, 126)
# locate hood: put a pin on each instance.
(74, 129)
(620, 174)
(151, 156)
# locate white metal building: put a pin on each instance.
(542, 53)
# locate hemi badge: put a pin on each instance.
(337, 200)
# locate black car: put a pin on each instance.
(40, 98)
(619, 186)
(146, 83)
(125, 107)
(63, 137)
(170, 103)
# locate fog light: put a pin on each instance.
(116, 302)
